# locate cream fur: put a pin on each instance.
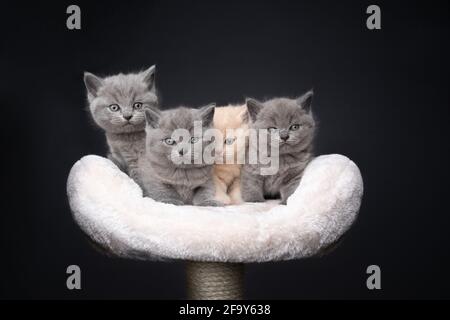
(226, 177)
(109, 207)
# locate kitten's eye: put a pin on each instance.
(114, 107)
(272, 129)
(169, 141)
(194, 139)
(137, 105)
(229, 141)
(295, 127)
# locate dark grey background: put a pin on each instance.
(381, 97)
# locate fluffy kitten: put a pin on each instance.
(117, 105)
(165, 180)
(292, 123)
(226, 176)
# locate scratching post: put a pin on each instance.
(214, 280)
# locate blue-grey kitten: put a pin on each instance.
(292, 124)
(165, 179)
(117, 105)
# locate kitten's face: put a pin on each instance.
(117, 103)
(289, 121)
(165, 147)
(232, 122)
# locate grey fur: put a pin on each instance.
(294, 153)
(160, 177)
(125, 138)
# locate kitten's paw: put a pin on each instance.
(254, 199)
(210, 203)
(172, 201)
(223, 198)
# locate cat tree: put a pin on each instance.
(216, 242)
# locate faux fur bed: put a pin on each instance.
(110, 208)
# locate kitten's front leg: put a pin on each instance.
(234, 191)
(118, 161)
(177, 202)
(288, 189)
(162, 193)
(204, 196)
(168, 194)
(221, 191)
(252, 187)
(134, 174)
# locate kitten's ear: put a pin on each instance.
(305, 101)
(253, 108)
(152, 117)
(149, 77)
(92, 83)
(243, 115)
(207, 114)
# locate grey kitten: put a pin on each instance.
(166, 180)
(292, 123)
(117, 105)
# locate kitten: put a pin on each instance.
(226, 174)
(293, 126)
(163, 178)
(117, 105)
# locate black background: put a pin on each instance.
(381, 98)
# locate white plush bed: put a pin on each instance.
(110, 208)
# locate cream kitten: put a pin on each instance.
(232, 122)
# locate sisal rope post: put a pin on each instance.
(214, 280)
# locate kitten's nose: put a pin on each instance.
(284, 136)
(128, 117)
(181, 152)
